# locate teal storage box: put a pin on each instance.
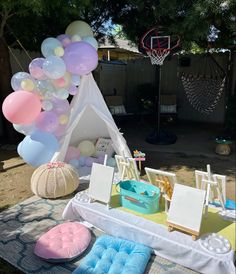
(139, 196)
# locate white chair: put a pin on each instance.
(160, 178)
(214, 184)
(127, 168)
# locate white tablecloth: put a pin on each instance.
(174, 246)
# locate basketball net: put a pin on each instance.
(157, 56)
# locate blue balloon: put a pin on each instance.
(19, 148)
(82, 160)
(38, 148)
(74, 163)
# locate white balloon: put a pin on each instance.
(47, 105)
(91, 40)
(25, 129)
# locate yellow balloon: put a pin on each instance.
(27, 85)
(63, 119)
(86, 148)
(80, 28)
(59, 51)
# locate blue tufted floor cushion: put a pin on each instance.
(111, 255)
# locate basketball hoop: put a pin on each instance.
(157, 56)
(158, 47)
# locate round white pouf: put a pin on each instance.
(54, 180)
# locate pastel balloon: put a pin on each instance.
(82, 161)
(89, 161)
(91, 40)
(60, 106)
(49, 45)
(73, 90)
(19, 148)
(76, 38)
(47, 105)
(63, 119)
(25, 129)
(59, 51)
(35, 69)
(101, 159)
(111, 162)
(64, 39)
(38, 148)
(54, 67)
(72, 153)
(62, 82)
(27, 84)
(17, 79)
(75, 80)
(61, 93)
(74, 163)
(86, 148)
(60, 131)
(47, 121)
(80, 28)
(80, 58)
(21, 107)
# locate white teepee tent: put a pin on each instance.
(90, 119)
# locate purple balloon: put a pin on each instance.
(47, 121)
(64, 39)
(80, 58)
(60, 106)
(60, 131)
(89, 161)
(73, 90)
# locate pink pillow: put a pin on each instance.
(63, 242)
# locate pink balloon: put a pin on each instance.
(80, 58)
(21, 107)
(47, 121)
(72, 153)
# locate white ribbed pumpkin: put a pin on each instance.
(54, 180)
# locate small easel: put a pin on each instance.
(139, 157)
(212, 183)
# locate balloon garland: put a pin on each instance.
(39, 107)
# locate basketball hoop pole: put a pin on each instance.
(158, 48)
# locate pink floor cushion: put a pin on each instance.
(63, 242)
(113, 255)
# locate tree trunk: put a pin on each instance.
(8, 133)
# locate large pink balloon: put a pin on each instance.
(21, 107)
(80, 58)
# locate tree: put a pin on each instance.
(30, 22)
(192, 20)
(200, 24)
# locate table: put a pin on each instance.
(174, 246)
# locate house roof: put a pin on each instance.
(121, 44)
